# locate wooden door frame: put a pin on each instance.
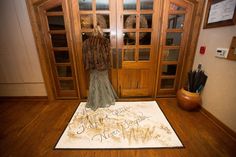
(195, 28)
(38, 36)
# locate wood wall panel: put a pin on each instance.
(12, 90)
(193, 39)
(29, 44)
(35, 89)
(22, 89)
(9, 67)
(19, 62)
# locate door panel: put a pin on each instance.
(136, 39)
(129, 24)
(176, 19)
(56, 29)
(149, 40)
(133, 79)
(87, 14)
(133, 27)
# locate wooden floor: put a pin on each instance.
(31, 129)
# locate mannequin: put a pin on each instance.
(96, 57)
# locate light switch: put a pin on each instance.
(222, 52)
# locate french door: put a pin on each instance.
(87, 14)
(176, 23)
(137, 40)
(148, 44)
(57, 37)
(132, 27)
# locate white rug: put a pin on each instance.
(123, 125)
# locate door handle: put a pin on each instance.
(114, 58)
(119, 58)
(119, 90)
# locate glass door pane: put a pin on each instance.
(67, 85)
(145, 38)
(129, 55)
(56, 22)
(169, 69)
(85, 4)
(176, 21)
(173, 38)
(86, 21)
(146, 4)
(59, 40)
(129, 5)
(144, 54)
(129, 38)
(55, 9)
(145, 21)
(61, 56)
(170, 55)
(103, 20)
(175, 7)
(129, 21)
(64, 71)
(167, 83)
(102, 4)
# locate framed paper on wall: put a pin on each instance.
(220, 13)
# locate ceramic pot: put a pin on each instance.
(188, 100)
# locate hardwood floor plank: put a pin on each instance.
(33, 128)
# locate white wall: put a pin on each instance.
(219, 95)
(20, 72)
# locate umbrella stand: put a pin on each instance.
(190, 99)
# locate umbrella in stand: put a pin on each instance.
(196, 80)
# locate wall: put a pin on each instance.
(20, 72)
(219, 95)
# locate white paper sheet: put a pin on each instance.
(222, 11)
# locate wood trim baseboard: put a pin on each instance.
(217, 122)
(24, 98)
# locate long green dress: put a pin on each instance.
(96, 57)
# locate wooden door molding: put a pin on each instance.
(193, 38)
(34, 19)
